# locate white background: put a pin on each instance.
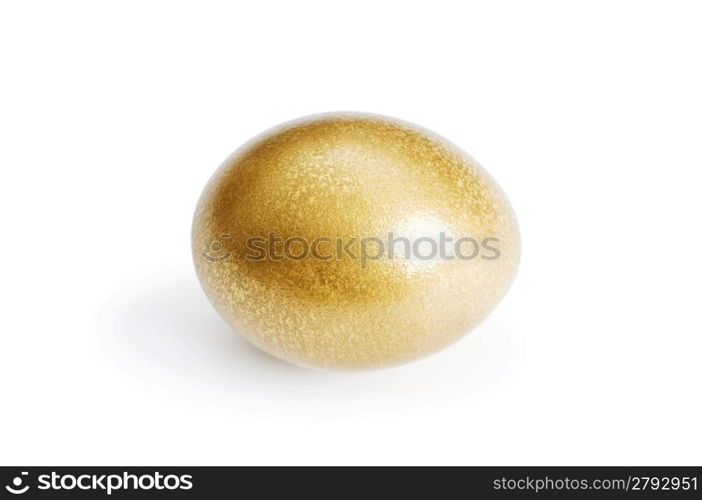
(114, 115)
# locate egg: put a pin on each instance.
(352, 241)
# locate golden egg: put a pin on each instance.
(353, 241)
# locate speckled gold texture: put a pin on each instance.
(351, 176)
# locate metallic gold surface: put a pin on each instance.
(351, 176)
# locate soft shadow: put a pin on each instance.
(164, 330)
(168, 320)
